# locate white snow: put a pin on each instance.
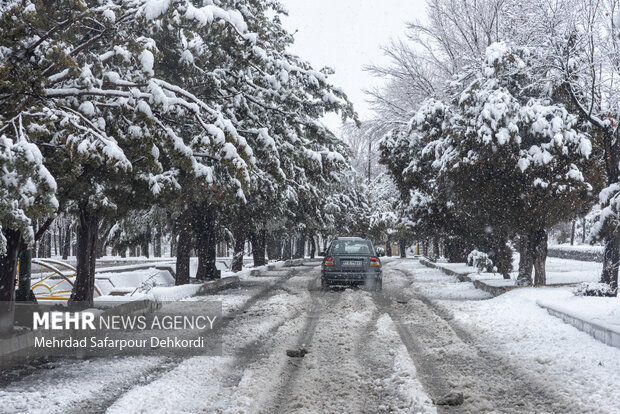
(147, 60)
(568, 361)
(559, 271)
(513, 326)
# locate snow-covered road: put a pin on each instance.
(393, 351)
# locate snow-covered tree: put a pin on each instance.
(135, 101)
(586, 50)
(503, 153)
(26, 193)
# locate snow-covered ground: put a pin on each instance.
(356, 361)
(567, 360)
(601, 311)
(573, 364)
(426, 335)
(559, 271)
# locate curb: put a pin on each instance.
(599, 332)
(272, 267)
(293, 262)
(217, 285)
(463, 277)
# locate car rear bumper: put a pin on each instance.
(350, 277)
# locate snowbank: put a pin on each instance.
(582, 252)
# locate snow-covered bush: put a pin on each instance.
(480, 261)
(595, 289)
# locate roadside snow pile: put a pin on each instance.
(437, 285)
(541, 344)
(129, 280)
(603, 311)
(155, 284)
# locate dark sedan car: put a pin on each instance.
(351, 260)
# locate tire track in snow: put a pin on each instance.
(448, 359)
(109, 395)
(291, 376)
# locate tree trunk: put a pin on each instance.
(583, 230)
(611, 259)
(41, 247)
(35, 248)
(87, 232)
(258, 248)
(312, 246)
(279, 242)
(100, 248)
(24, 291)
(263, 243)
(209, 226)
(144, 247)
(300, 250)
(66, 250)
(237, 261)
(210, 265)
(540, 257)
(201, 250)
(290, 246)
(436, 254)
(572, 233)
(54, 241)
(48, 244)
(8, 273)
(272, 247)
(285, 251)
(157, 242)
(403, 248)
(526, 261)
(173, 245)
(501, 255)
(388, 247)
(183, 247)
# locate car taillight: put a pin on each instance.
(329, 261)
(375, 262)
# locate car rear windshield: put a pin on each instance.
(351, 247)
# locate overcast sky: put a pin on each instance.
(346, 35)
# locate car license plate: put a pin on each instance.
(350, 262)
